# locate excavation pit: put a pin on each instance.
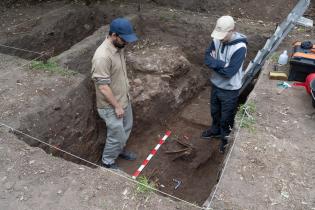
(171, 94)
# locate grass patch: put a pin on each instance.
(164, 18)
(244, 116)
(275, 57)
(174, 17)
(52, 67)
(144, 183)
(301, 29)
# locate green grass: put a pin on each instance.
(275, 57)
(244, 116)
(144, 183)
(174, 17)
(51, 67)
(168, 17)
(164, 18)
(301, 29)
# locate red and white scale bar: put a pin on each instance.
(153, 152)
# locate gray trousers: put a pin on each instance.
(118, 131)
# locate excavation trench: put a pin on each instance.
(54, 30)
(170, 91)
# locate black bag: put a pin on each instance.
(307, 45)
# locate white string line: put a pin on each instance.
(29, 62)
(25, 64)
(227, 160)
(16, 48)
(108, 170)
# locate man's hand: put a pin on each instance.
(119, 112)
(212, 62)
(213, 54)
(107, 91)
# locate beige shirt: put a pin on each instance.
(109, 67)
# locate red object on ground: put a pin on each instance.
(313, 92)
(307, 82)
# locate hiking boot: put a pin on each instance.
(223, 145)
(127, 155)
(207, 134)
(111, 166)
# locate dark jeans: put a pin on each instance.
(223, 109)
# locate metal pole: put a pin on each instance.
(272, 44)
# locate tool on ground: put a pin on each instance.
(178, 183)
(284, 86)
(307, 83)
(280, 91)
(313, 92)
(309, 86)
(153, 152)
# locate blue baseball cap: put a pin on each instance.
(123, 28)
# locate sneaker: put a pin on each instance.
(223, 145)
(111, 166)
(127, 155)
(207, 134)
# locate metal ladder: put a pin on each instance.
(294, 18)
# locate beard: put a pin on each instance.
(118, 45)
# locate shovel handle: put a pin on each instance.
(299, 84)
(280, 91)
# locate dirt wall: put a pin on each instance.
(271, 10)
(70, 123)
(53, 33)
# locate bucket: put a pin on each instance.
(306, 84)
(312, 85)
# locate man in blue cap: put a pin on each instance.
(109, 74)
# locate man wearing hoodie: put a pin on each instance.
(109, 73)
(225, 57)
